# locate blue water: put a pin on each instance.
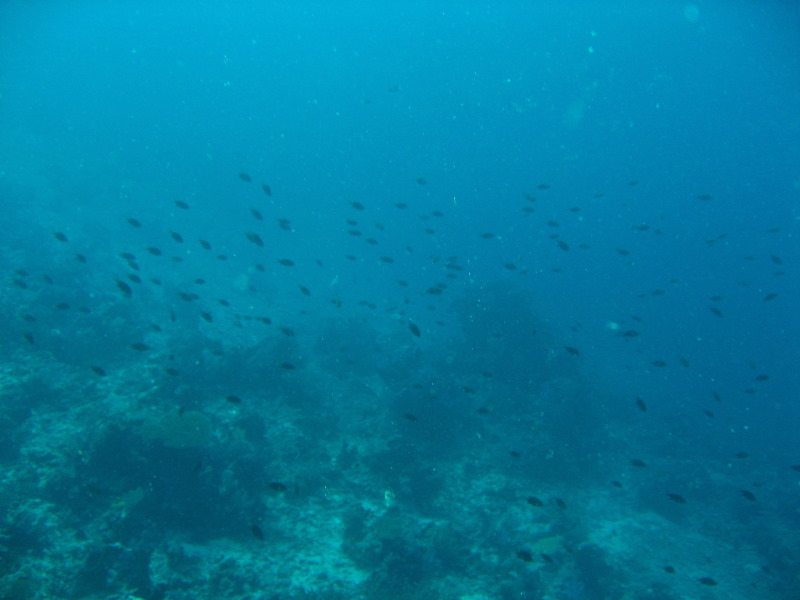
(409, 367)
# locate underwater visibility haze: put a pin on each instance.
(399, 300)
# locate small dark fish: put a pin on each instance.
(412, 327)
(659, 363)
(154, 251)
(749, 495)
(387, 259)
(277, 486)
(181, 204)
(762, 377)
(305, 290)
(287, 331)
(572, 350)
(287, 366)
(709, 413)
(525, 555)
(546, 558)
(60, 236)
(770, 297)
(716, 311)
(206, 317)
(29, 338)
(286, 262)
(188, 297)
(641, 404)
(98, 370)
(638, 463)
(630, 333)
(623, 252)
(124, 288)
(140, 347)
(176, 236)
(561, 504)
(488, 236)
(421, 180)
(616, 484)
(256, 214)
(28, 318)
(401, 205)
(93, 490)
(233, 399)
(776, 259)
(534, 501)
(795, 467)
(515, 454)
(205, 244)
(677, 498)
(543, 186)
(267, 189)
(563, 245)
(20, 284)
(255, 529)
(134, 222)
(510, 266)
(669, 569)
(707, 581)
(62, 306)
(705, 197)
(357, 205)
(410, 417)
(742, 455)
(172, 372)
(255, 238)
(245, 177)
(684, 362)
(81, 258)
